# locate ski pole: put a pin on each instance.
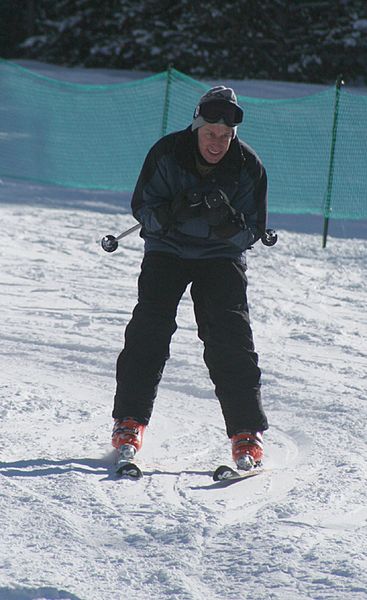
(110, 243)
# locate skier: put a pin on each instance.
(201, 199)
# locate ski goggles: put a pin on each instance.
(215, 110)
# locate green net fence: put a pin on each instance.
(96, 137)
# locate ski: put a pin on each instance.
(226, 475)
(128, 470)
(223, 475)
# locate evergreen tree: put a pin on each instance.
(17, 22)
(300, 40)
(327, 42)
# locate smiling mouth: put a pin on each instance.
(214, 156)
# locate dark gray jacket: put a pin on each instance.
(169, 175)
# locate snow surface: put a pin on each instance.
(69, 529)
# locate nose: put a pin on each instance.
(217, 144)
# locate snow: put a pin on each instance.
(69, 530)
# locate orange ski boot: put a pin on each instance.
(127, 437)
(247, 449)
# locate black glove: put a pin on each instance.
(186, 206)
(217, 208)
(221, 216)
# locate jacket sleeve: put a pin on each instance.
(152, 195)
(251, 207)
(256, 221)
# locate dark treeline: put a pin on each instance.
(310, 41)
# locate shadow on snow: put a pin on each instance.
(89, 466)
(42, 593)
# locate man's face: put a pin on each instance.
(214, 141)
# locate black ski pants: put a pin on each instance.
(218, 291)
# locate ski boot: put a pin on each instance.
(127, 438)
(247, 450)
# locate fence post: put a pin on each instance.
(327, 208)
(167, 100)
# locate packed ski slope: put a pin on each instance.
(68, 528)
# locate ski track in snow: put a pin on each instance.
(70, 530)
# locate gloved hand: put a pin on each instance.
(221, 216)
(217, 208)
(229, 228)
(186, 206)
